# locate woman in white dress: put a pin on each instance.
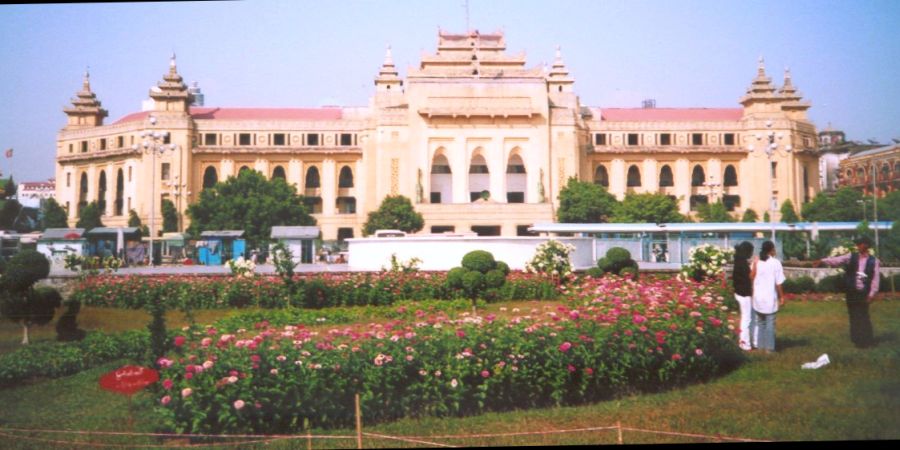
(768, 276)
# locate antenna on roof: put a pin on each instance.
(649, 103)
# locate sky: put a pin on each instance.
(844, 56)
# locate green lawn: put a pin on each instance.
(856, 397)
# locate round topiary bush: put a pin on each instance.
(594, 272)
(617, 254)
(455, 277)
(629, 270)
(24, 269)
(603, 264)
(494, 278)
(473, 283)
(43, 304)
(479, 260)
(503, 267)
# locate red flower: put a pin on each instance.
(565, 346)
(179, 341)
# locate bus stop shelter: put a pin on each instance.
(216, 247)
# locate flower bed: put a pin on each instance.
(311, 291)
(614, 336)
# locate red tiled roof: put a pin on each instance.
(670, 114)
(329, 113)
(36, 185)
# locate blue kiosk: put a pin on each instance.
(216, 247)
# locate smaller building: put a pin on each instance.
(119, 242)
(32, 194)
(300, 241)
(874, 170)
(57, 243)
(217, 246)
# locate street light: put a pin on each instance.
(875, 204)
(153, 144)
(770, 149)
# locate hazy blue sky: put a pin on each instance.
(844, 55)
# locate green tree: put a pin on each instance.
(53, 215)
(842, 205)
(19, 301)
(251, 203)
(648, 208)
(9, 210)
(9, 188)
(890, 245)
(170, 216)
(766, 217)
(714, 213)
(135, 221)
(750, 216)
(889, 207)
(89, 217)
(394, 213)
(793, 244)
(583, 202)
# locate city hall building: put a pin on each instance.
(476, 139)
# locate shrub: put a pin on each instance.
(551, 258)
(617, 254)
(706, 260)
(831, 283)
(67, 324)
(799, 285)
(604, 264)
(479, 260)
(503, 267)
(473, 283)
(595, 272)
(455, 277)
(630, 270)
(494, 279)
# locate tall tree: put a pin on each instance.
(9, 188)
(714, 213)
(842, 205)
(251, 203)
(395, 213)
(583, 202)
(9, 210)
(170, 216)
(648, 208)
(750, 216)
(793, 244)
(89, 217)
(135, 221)
(53, 215)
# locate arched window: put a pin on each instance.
(278, 172)
(210, 178)
(634, 176)
(120, 190)
(242, 170)
(82, 191)
(730, 178)
(345, 179)
(666, 179)
(441, 179)
(698, 176)
(101, 192)
(479, 177)
(312, 178)
(516, 179)
(601, 176)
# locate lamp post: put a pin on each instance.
(770, 148)
(153, 144)
(875, 204)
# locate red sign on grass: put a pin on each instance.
(128, 379)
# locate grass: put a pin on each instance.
(856, 397)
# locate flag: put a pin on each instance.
(9, 153)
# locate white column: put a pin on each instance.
(497, 167)
(359, 183)
(295, 174)
(458, 157)
(650, 175)
(262, 166)
(227, 169)
(329, 187)
(683, 184)
(617, 178)
(110, 190)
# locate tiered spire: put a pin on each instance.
(86, 109)
(559, 74)
(790, 94)
(388, 75)
(172, 88)
(761, 88)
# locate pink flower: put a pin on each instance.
(186, 392)
(698, 352)
(565, 346)
(164, 363)
(167, 384)
(637, 318)
(165, 400)
(589, 371)
(571, 368)
(205, 342)
(188, 376)
(179, 341)
(238, 404)
(454, 383)
(485, 374)
(254, 358)
(676, 357)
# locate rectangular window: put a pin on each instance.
(696, 138)
(210, 139)
(774, 169)
(71, 148)
(120, 141)
(435, 197)
(167, 138)
(103, 144)
(665, 139)
(522, 230)
(244, 139)
(632, 139)
(731, 201)
(346, 139)
(279, 139)
(68, 180)
(487, 230)
(164, 172)
(312, 139)
(129, 176)
(515, 197)
(438, 229)
(84, 146)
(728, 139)
(807, 142)
(600, 139)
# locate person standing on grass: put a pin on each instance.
(743, 290)
(861, 272)
(768, 276)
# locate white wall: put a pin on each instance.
(57, 251)
(446, 252)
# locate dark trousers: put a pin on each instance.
(860, 324)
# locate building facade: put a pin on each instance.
(476, 139)
(32, 194)
(872, 171)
